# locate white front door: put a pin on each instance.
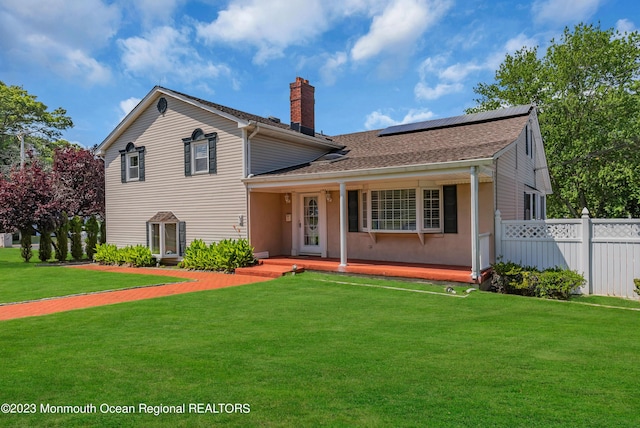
(309, 225)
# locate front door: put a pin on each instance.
(310, 225)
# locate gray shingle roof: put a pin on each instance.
(368, 150)
(233, 112)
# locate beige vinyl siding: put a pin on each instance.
(209, 204)
(269, 154)
(515, 172)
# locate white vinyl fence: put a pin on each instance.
(605, 251)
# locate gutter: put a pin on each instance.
(369, 174)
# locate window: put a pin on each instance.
(200, 158)
(200, 153)
(528, 146)
(132, 166)
(430, 210)
(166, 235)
(393, 209)
(132, 163)
(534, 206)
(164, 239)
(431, 205)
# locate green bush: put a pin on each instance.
(553, 283)
(62, 240)
(92, 236)
(76, 238)
(44, 252)
(106, 254)
(25, 245)
(226, 255)
(636, 282)
(137, 256)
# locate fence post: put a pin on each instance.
(586, 250)
(498, 234)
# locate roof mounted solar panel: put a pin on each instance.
(485, 116)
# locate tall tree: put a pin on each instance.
(28, 200)
(79, 181)
(22, 114)
(586, 87)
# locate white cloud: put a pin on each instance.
(378, 119)
(156, 11)
(332, 67)
(401, 23)
(165, 52)
(518, 42)
(59, 35)
(424, 92)
(564, 11)
(269, 26)
(127, 105)
(437, 79)
(625, 26)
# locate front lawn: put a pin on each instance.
(20, 281)
(316, 350)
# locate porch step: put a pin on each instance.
(460, 274)
(267, 270)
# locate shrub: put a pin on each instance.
(92, 236)
(62, 240)
(25, 245)
(76, 238)
(554, 283)
(106, 254)
(226, 255)
(44, 252)
(103, 232)
(137, 256)
(636, 282)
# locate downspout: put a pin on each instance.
(247, 174)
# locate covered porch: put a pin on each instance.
(310, 220)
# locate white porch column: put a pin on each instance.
(343, 224)
(475, 236)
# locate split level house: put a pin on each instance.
(180, 168)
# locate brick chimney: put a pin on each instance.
(302, 106)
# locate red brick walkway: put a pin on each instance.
(200, 281)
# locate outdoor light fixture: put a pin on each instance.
(329, 198)
(287, 198)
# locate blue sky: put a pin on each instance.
(374, 63)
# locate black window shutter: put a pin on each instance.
(352, 198)
(123, 168)
(212, 154)
(187, 158)
(450, 204)
(148, 243)
(141, 165)
(182, 237)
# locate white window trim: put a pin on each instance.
(194, 145)
(162, 243)
(128, 158)
(419, 212)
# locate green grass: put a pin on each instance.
(20, 281)
(306, 351)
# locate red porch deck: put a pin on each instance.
(370, 267)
